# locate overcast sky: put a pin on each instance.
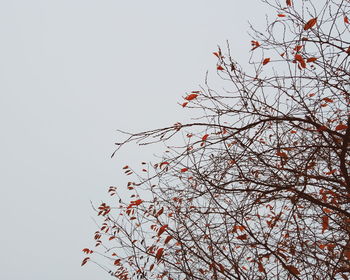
(71, 73)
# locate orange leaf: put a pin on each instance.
(85, 261)
(325, 223)
(220, 68)
(311, 59)
(168, 239)
(205, 137)
(281, 15)
(216, 54)
(265, 61)
(162, 229)
(159, 253)
(346, 20)
(341, 127)
(289, 2)
(292, 269)
(184, 169)
(191, 96)
(117, 262)
(255, 45)
(310, 23)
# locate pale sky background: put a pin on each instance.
(71, 73)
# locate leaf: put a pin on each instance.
(87, 251)
(289, 2)
(205, 137)
(159, 253)
(311, 59)
(281, 15)
(341, 127)
(191, 96)
(163, 163)
(265, 61)
(282, 154)
(346, 20)
(220, 68)
(126, 167)
(325, 223)
(255, 45)
(327, 99)
(298, 48)
(85, 261)
(216, 54)
(322, 128)
(162, 229)
(310, 23)
(117, 262)
(184, 169)
(261, 267)
(242, 237)
(292, 269)
(184, 104)
(166, 241)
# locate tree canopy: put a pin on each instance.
(258, 186)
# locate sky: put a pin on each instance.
(71, 74)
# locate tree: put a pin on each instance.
(260, 188)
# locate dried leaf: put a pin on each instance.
(265, 61)
(191, 96)
(205, 137)
(184, 104)
(219, 67)
(85, 261)
(310, 23)
(327, 99)
(341, 127)
(292, 269)
(281, 15)
(166, 241)
(311, 59)
(162, 229)
(346, 20)
(159, 253)
(289, 2)
(325, 223)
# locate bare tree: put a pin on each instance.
(260, 186)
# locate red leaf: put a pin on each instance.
(117, 262)
(289, 2)
(265, 61)
(184, 104)
(341, 127)
(220, 68)
(126, 167)
(85, 261)
(242, 237)
(282, 154)
(327, 99)
(184, 169)
(255, 45)
(322, 128)
(216, 54)
(163, 163)
(205, 137)
(261, 267)
(168, 239)
(298, 48)
(310, 23)
(87, 251)
(292, 269)
(162, 229)
(159, 253)
(281, 15)
(346, 20)
(191, 96)
(311, 59)
(325, 223)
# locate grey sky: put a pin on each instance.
(71, 73)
